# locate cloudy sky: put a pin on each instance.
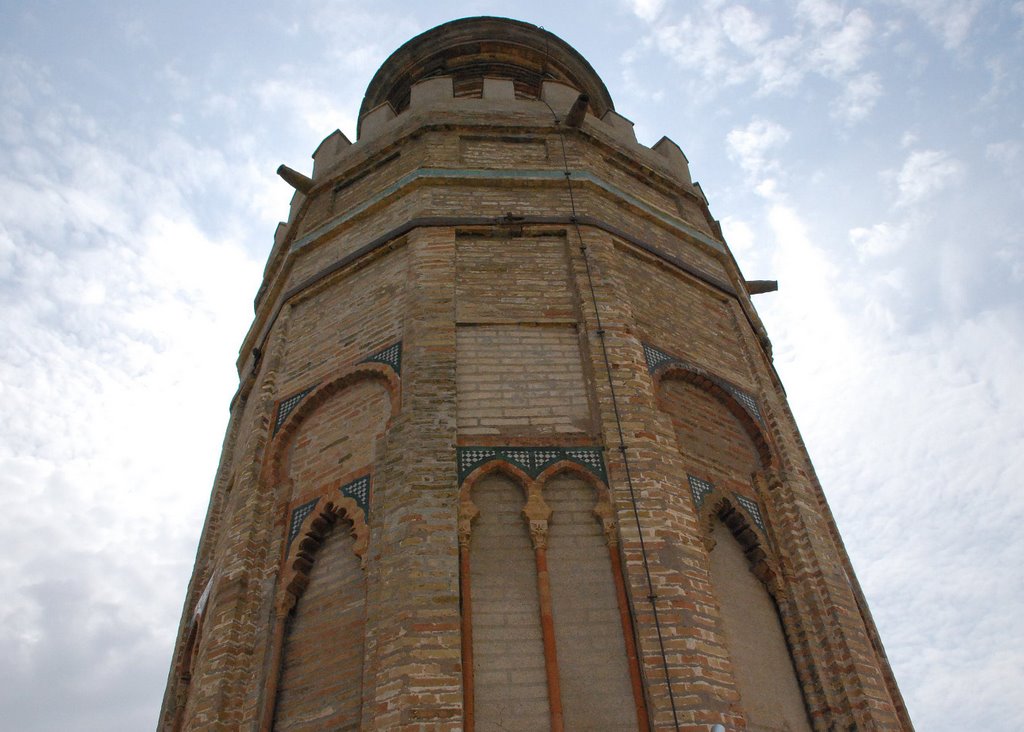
(868, 155)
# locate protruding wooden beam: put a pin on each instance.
(758, 287)
(578, 111)
(295, 179)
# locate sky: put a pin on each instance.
(868, 155)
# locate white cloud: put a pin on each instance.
(120, 318)
(880, 240)
(951, 20)
(842, 50)
(744, 28)
(739, 234)
(924, 174)
(858, 98)
(750, 146)
(646, 9)
(317, 108)
(820, 13)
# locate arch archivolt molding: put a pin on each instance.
(536, 512)
(764, 562)
(367, 371)
(719, 388)
(301, 552)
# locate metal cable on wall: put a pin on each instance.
(578, 109)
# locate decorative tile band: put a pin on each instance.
(656, 358)
(752, 509)
(531, 460)
(700, 489)
(390, 356)
(287, 405)
(359, 491)
(299, 514)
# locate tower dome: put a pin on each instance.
(472, 49)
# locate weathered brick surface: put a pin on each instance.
(511, 690)
(515, 380)
(339, 439)
(490, 295)
(713, 443)
(757, 645)
(322, 666)
(513, 279)
(591, 651)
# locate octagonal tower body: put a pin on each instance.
(508, 450)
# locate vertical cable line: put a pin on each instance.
(652, 596)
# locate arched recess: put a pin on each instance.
(707, 391)
(506, 682)
(742, 573)
(332, 437)
(319, 681)
(335, 428)
(597, 663)
(726, 452)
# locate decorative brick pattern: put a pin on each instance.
(531, 460)
(751, 508)
(657, 358)
(287, 405)
(359, 491)
(700, 489)
(391, 356)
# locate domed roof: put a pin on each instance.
(472, 48)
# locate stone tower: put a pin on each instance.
(508, 450)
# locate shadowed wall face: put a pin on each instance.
(769, 692)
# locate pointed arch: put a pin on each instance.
(370, 371)
(717, 387)
(301, 552)
(505, 644)
(718, 506)
(748, 590)
(321, 619)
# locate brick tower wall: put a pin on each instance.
(493, 420)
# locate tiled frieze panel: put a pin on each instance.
(521, 279)
(531, 460)
(657, 358)
(287, 405)
(390, 356)
(520, 379)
